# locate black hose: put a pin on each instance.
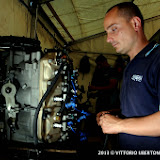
(41, 102)
(105, 142)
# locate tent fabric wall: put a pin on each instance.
(156, 37)
(151, 27)
(16, 20)
(46, 40)
(94, 45)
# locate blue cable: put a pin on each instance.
(83, 136)
(74, 88)
(69, 124)
(82, 117)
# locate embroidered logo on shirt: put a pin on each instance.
(137, 78)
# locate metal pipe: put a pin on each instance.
(41, 23)
(59, 20)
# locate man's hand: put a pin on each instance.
(110, 124)
(141, 126)
(100, 114)
(112, 112)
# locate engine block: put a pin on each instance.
(38, 93)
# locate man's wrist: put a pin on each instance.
(121, 126)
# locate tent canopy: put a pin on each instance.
(80, 22)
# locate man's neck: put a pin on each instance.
(137, 48)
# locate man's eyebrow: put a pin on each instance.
(111, 25)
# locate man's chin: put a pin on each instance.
(118, 50)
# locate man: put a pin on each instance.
(105, 82)
(140, 93)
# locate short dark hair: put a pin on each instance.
(129, 10)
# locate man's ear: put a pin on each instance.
(136, 23)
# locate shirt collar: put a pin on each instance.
(146, 49)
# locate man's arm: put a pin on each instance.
(144, 126)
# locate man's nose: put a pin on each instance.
(109, 39)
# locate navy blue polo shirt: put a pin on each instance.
(140, 94)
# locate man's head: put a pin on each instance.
(124, 26)
(128, 10)
(101, 61)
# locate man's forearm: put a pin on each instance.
(144, 126)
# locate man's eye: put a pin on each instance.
(114, 29)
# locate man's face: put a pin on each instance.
(120, 32)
